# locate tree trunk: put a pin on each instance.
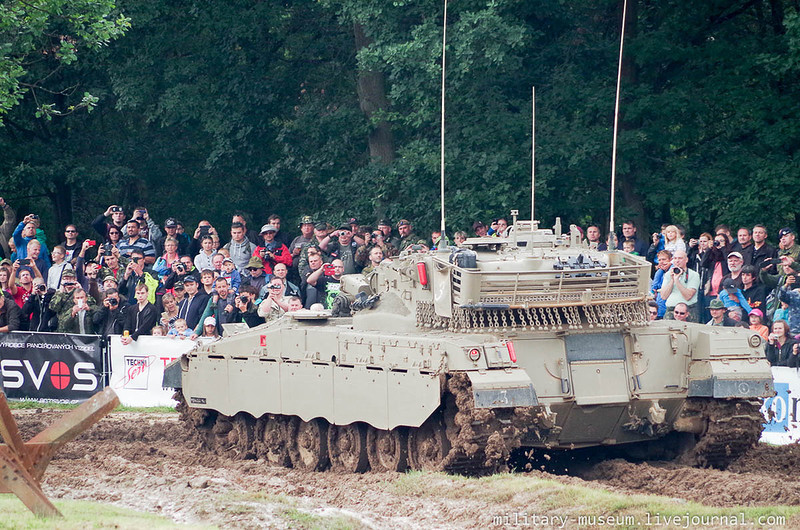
(372, 99)
(61, 198)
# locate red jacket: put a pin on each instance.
(281, 253)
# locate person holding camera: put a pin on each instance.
(273, 306)
(137, 273)
(204, 259)
(36, 310)
(221, 305)
(270, 251)
(102, 226)
(680, 284)
(340, 244)
(79, 317)
(178, 272)
(62, 302)
(27, 231)
(163, 265)
(246, 309)
(22, 289)
(323, 282)
(781, 349)
(109, 317)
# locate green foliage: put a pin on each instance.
(37, 37)
(213, 106)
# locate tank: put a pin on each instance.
(454, 358)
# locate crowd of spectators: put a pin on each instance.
(134, 277)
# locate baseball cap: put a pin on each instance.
(171, 223)
(68, 272)
(321, 226)
(716, 303)
(384, 222)
(345, 227)
(268, 228)
(210, 321)
(188, 279)
(227, 260)
(735, 255)
(729, 285)
(110, 278)
(306, 220)
(758, 313)
(403, 222)
(784, 231)
(352, 221)
(178, 285)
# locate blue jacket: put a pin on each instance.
(729, 302)
(793, 299)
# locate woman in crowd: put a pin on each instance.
(4, 274)
(673, 240)
(170, 314)
(163, 265)
(781, 350)
(716, 261)
(698, 249)
(114, 236)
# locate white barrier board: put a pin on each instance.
(780, 412)
(138, 368)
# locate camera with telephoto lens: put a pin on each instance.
(244, 299)
(113, 302)
(716, 243)
(271, 246)
(180, 268)
(677, 270)
(41, 288)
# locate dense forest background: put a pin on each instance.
(331, 108)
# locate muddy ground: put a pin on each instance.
(151, 462)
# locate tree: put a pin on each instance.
(40, 37)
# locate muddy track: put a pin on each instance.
(153, 462)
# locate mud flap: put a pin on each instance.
(173, 375)
(494, 389)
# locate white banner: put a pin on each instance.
(138, 369)
(780, 412)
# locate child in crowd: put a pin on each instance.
(158, 331)
(231, 274)
(756, 323)
(782, 313)
(181, 330)
(629, 246)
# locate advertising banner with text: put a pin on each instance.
(50, 367)
(138, 368)
(780, 412)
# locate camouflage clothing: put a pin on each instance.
(62, 303)
(411, 239)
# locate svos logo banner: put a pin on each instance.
(51, 366)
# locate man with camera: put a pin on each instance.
(109, 318)
(62, 302)
(246, 309)
(27, 231)
(323, 281)
(79, 317)
(680, 285)
(20, 290)
(134, 242)
(270, 251)
(179, 271)
(339, 244)
(136, 272)
(117, 214)
(273, 306)
(36, 312)
(221, 305)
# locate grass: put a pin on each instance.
(80, 515)
(527, 494)
(21, 405)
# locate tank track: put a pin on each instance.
(732, 427)
(466, 440)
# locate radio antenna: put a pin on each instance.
(611, 233)
(441, 154)
(533, 154)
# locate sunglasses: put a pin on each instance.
(70, 231)
(273, 286)
(653, 312)
(680, 313)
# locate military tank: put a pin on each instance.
(452, 359)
